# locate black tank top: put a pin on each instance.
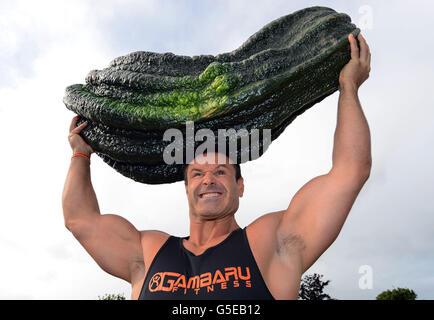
(227, 271)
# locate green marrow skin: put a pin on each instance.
(113, 141)
(160, 173)
(279, 72)
(232, 82)
(149, 174)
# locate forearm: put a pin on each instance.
(352, 142)
(78, 199)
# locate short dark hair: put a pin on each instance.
(236, 166)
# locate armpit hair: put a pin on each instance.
(289, 244)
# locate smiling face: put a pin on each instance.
(212, 189)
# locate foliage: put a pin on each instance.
(112, 297)
(397, 294)
(311, 288)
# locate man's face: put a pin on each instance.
(212, 190)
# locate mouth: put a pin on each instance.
(210, 195)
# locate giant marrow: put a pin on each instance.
(282, 70)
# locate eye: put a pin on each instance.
(196, 174)
(220, 172)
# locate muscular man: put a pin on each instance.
(220, 260)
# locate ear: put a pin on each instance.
(240, 183)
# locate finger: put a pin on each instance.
(74, 122)
(354, 48)
(364, 49)
(79, 128)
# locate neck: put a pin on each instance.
(206, 233)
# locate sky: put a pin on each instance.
(387, 240)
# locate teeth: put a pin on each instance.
(207, 195)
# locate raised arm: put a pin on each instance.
(112, 241)
(319, 209)
(79, 199)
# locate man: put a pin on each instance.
(219, 260)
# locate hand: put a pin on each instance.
(356, 71)
(77, 143)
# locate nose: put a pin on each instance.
(208, 178)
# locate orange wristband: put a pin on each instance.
(79, 154)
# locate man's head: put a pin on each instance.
(213, 186)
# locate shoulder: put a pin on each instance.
(152, 241)
(267, 239)
(261, 233)
(152, 238)
(270, 221)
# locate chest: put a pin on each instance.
(226, 271)
(278, 274)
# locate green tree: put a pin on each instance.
(397, 294)
(312, 287)
(112, 297)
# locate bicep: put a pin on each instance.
(318, 211)
(112, 241)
